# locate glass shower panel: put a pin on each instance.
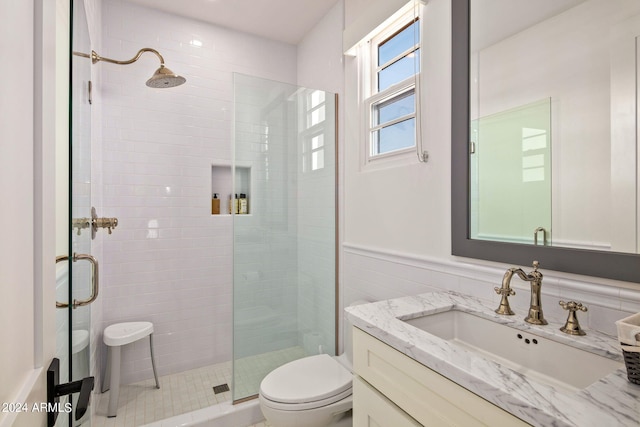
(284, 248)
(80, 191)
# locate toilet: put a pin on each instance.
(315, 391)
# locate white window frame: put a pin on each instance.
(369, 83)
(395, 91)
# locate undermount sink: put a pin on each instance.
(536, 357)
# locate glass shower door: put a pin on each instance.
(82, 265)
(284, 238)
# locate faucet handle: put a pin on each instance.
(536, 264)
(572, 326)
(504, 291)
(573, 306)
(504, 307)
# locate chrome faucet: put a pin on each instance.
(535, 315)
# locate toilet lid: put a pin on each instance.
(309, 379)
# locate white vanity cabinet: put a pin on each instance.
(391, 389)
(372, 409)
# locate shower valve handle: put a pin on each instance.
(94, 223)
(108, 223)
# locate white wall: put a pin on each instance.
(169, 260)
(319, 53)
(404, 208)
(397, 220)
(27, 131)
(16, 155)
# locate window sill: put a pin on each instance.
(404, 157)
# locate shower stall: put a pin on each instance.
(233, 292)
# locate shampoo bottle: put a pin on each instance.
(233, 204)
(243, 207)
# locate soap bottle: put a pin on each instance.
(243, 207)
(215, 204)
(233, 204)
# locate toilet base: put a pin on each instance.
(335, 415)
(346, 420)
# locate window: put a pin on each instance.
(390, 108)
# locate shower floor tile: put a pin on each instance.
(141, 403)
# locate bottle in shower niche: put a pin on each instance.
(243, 205)
(233, 204)
(215, 204)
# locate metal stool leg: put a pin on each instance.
(107, 373)
(115, 381)
(153, 361)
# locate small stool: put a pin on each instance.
(115, 336)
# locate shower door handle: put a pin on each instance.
(95, 288)
(544, 236)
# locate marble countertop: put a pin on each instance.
(610, 401)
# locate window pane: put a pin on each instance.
(394, 108)
(317, 160)
(398, 71)
(394, 137)
(399, 43)
(316, 98)
(317, 141)
(315, 117)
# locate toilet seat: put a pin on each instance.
(306, 383)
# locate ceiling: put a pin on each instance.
(282, 20)
(499, 19)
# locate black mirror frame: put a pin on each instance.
(611, 265)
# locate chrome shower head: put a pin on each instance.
(164, 77)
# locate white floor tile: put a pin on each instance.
(141, 403)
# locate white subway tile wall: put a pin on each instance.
(170, 261)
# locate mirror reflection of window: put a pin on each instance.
(533, 140)
(153, 229)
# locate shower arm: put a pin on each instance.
(96, 58)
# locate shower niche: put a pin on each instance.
(223, 180)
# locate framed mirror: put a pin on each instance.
(545, 115)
